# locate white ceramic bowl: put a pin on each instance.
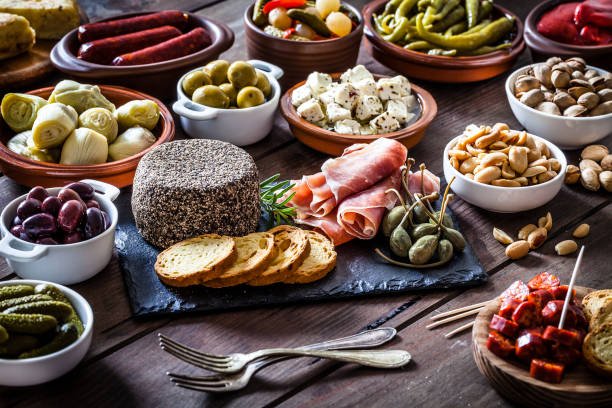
(64, 264)
(38, 370)
(567, 133)
(240, 127)
(505, 199)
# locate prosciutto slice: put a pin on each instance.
(431, 182)
(329, 226)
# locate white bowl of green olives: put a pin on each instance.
(36, 351)
(233, 102)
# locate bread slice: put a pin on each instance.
(597, 350)
(291, 247)
(601, 316)
(320, 260)
(253, 253)
(594, 301)
(195, 260)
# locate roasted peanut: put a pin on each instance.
(546, 221)
(487, 175)
(518, 159)
(581, 231)
(517, 249)
(537, 237)
(566, 247)
(502, 237)
(526, 230)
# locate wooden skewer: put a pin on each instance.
(453, 318)
(459, 329)
(570, 288)
(459, 310)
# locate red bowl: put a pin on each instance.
(120, 173)
(439, 68)
(543, 47)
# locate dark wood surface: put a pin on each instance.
(126, 368)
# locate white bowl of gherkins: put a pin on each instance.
(46, 330)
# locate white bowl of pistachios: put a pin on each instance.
(566, 102)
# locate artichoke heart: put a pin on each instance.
(131, 142)
(80, 96)
(23, 145)
(143, 113)
(53, 124)
(102, 121)
(83, 147)
(19, 110)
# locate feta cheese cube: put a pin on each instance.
(366, 87)
(367, 130)
(345, 95)
(398, 111)
(356, 74)
(300, 95)
(389, 88)
(411, 102)
(405, 85)
(368, 106)
(347, 127)
(327, 97)
(311, 111)
(318, 82)
(411, 118)
(336, 112)
(385, 123)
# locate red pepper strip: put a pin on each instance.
(287, 33)
(588, 13)
(282, 3)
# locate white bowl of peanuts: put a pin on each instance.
(503, 170)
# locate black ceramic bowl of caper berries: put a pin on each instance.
(46, 331)
(230, 101)
(564, 101)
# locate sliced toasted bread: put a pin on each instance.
(195, 260)
(291, 247)
(595, 300)
(320, 260)
(597, 350)
(601, 316)
(253, 253)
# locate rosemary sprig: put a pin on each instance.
(271, 192)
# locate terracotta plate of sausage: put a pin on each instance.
(510, 377)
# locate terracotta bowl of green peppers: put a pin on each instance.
(443, 40)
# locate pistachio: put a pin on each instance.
(505, 183)
(578, 75)
(562, 66)
(517, 249)
(605, 179)
(552, 61)
(590, 164)
(606, 162)
(581, 83)
(577, 91)
(575, 65)
(572, 174)
(546, 176)
(594, 152)
(566, 247)
(589, 100)
(531, 98)
(518, 159)
(555, 165)
(608, 77)
(590, 73)
(596, 81)
(537, 237)
(526, 83)
(502, 237)
(581, 231)
(545, 222)
(575, 110)
(605, 95)
(534, 171)
(563, 100)
(548, 107)
(589, 179)
(543, 74)
(602, 109)
(526, 230)
(488, 174)
(548, 96)
(578, 59)
(560, 79)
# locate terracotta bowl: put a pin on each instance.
(439, 68)
(300, 58)
(119, 173)
(333, 143)
(158, 78)
(543, 47)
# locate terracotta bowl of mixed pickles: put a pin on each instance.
(439, 64)
(120, 173)
(297, 56)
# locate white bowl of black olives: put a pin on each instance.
(63, 235)
(233, 102)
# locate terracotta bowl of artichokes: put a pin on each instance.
(119, 173)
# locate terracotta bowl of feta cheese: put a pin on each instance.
(333, 142)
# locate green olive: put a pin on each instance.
(249, 97)
(194, 80)
(217, 70)
(230, 91)
(242, 74)
(211, 95)
(263, 84)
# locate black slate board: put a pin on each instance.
(359, 272)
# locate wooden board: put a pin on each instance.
(579, 386)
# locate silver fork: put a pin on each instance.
(233, 382)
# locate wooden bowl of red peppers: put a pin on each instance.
(568, 28)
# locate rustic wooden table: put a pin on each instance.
(126, 368)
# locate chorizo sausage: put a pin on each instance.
(560, 292)
(504, 326)
(103, 51)
(500, 345)
(551, 314)
(561, 336)
(518, 291)
(104, 29)
(526, 315)
(546, 371)
(508, 307)
(543, 281)
(565, 355)
(177, 47)
(540, 297)
(529, 345)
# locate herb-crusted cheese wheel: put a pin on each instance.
(186, 188)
